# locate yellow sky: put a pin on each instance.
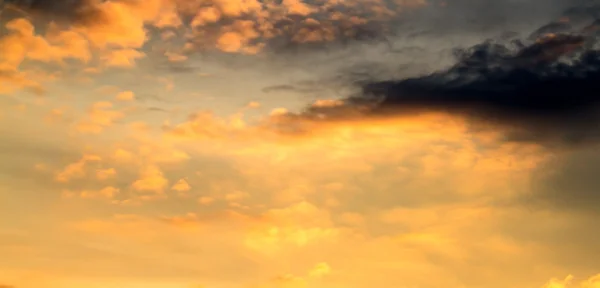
(126, 162)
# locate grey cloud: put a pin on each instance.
(77, 11)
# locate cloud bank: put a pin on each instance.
(540, 90)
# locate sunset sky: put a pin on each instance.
(210, 143)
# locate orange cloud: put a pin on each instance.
(22, 43)
(125, 96)
(121, 24)
(205, 200)
(123, 58)
(181, 186)
(320, 270)
(151, 180)
(108, 192)
(103, 174)
(298, 225)
(77, 169)
(592, 282)
(100, 116)
(113, 33)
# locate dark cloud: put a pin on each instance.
(289, 88)
(555, 27)
(176, 67)
(541, 91)
(77, 11)
(157, 109)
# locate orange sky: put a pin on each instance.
(129, 161)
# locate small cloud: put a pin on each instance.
(40, 167)
(103, 174)
(151, 179)
(181, 186)
(108, 192)
(77, 169)
(187, 220)
(175, 57)
(123, 155)
(125, 96)
(55, 115)
(237, 195)
(230, 42)
(123, 58)
(100, 116)
(320, 270)
(327, 103)
(205, 200)
(253, 104)
(279, 111)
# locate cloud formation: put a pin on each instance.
(438, 172)
(540, 91)
(244, 26)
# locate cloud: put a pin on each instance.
(320, 270)
(234, 27)
(339, 192)
(181, 186)
(568, 282)
(77, 169)
(125, 96)
(21, 43)
(298, 225)
(187, 220)
(108, 192)
(205, 200)
(100, 115)
(123, 58)
(541, 92)
(151, 180)
(103, 174)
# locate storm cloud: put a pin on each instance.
(542, 90)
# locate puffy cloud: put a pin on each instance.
(181, 186)
(123, 58)
(23, 43)
(125, 96)
(123, 24)
(151, 179)
(253, 104)
(77, 169)
(100, 116)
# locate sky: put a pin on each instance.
(288, 144)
